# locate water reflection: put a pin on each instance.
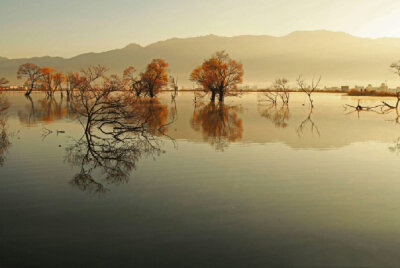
(4, 135)
(278, 116)
(219, 123)
(118, 132)
(47, 110)
(309, 123)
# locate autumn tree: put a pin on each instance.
(155, 77)
(58, 79)
(308, 89)
(218, 75)
(31, 73)
(3, 82)
(72, 80)
(51, 80)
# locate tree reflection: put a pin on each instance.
(4, 135)
(47, 110)
(308, 122)
(113, 158)
(219, 123)
(119, 130)
(278, 116)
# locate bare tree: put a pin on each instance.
(272, 96)
(133, 81)
(72, 80)
(281, 86)
(174, 84)
(308, 89)
(119, 129)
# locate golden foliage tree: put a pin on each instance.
(218, 75)
(155, 77)
(51, 80)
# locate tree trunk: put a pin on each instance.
(213, 95)
(221, 95)
(28, 92)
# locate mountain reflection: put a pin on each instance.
(219, 123)
(117, 134)
(4, 136)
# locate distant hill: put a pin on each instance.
(340, 58)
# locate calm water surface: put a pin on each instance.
(239, 185)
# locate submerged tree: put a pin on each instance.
(155, 77)
(308, 89)
(271, 96)
(134, 82)
(119, 129)
(218, 75)
(73, 80)
(31, 73)
(281, 86)
(51, 80)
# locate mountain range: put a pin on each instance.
(340, 58)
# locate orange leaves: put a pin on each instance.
(218, 74)
(46, 70)
(51, 80)
(219, 123)
(155, 77)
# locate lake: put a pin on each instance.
(243, 184)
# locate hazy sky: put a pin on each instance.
(70, 27)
